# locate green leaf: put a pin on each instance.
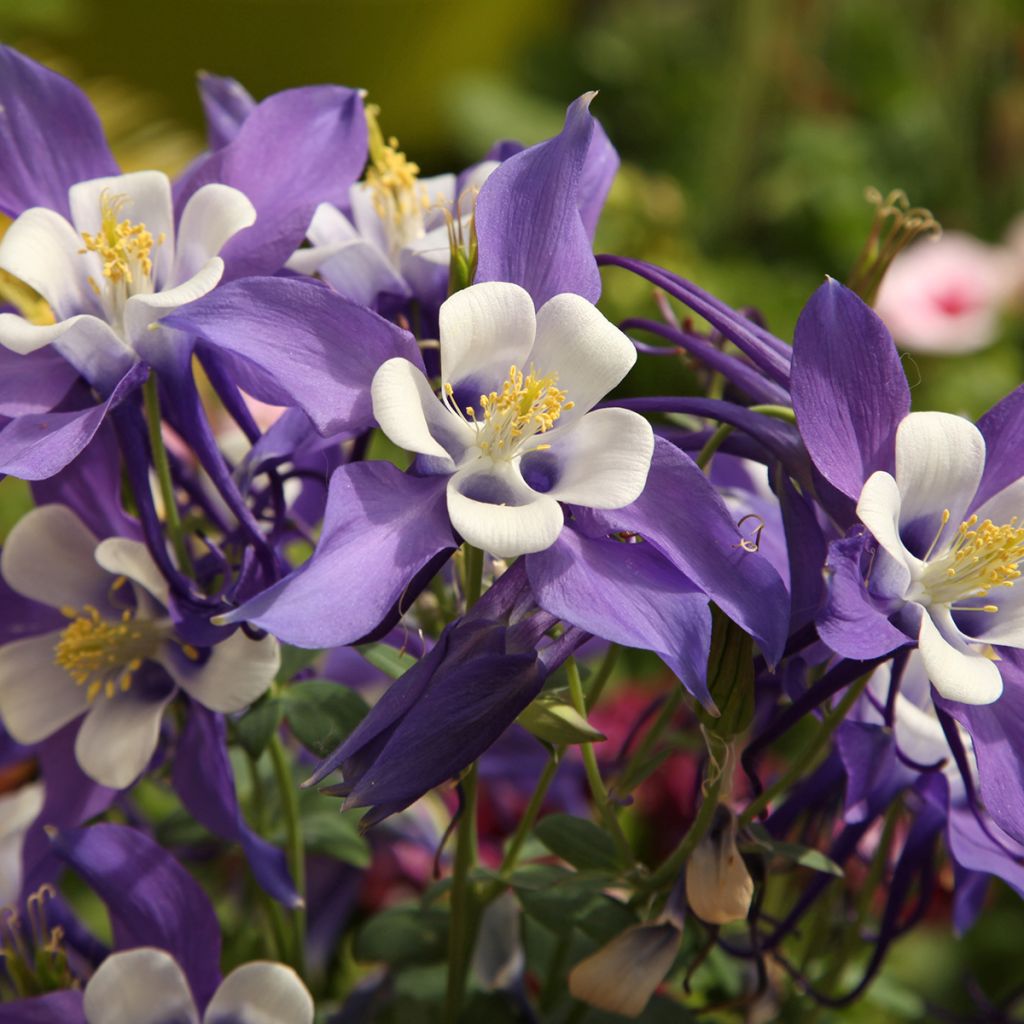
(730, 676)
(391, 662)
(336, 834)
(550, 717)
(404, 935)
(764, 843)
(294, 660)
(254, 729)
(322, 713)
(585, 846)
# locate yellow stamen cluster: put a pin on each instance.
(104, 654)
(393, 178)
(981, 556)
(526, 405)
(33, 959)
(124, 247)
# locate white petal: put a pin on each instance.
(956, 670)
(49, 557)
(122, 557)
(140, 986)
(1004, 505)
(356, 269)
(37, 697)
(142, 310)
(365, 216)
(939, 461)
(432, 248)
(589, 354)
(412, 416)
(148, 195)
(238, 671)
(119, 734)
(484, 330)
(213, 215)
(1005, 627)
(17, 811)
(42, 249)
(440, 192)
(493, 509)
(330, 226)
(603, 459)
(879, 510)
(261, 993)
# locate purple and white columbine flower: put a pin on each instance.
(116, 267)
(146, 986)
(117, 661)
(951, 560)
(513, 425)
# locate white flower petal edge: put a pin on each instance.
(409, 412)
(140, 986)
(237, 672)
(141, 311)
(879, 510)
(37, 696)
(512, 519)
(212, 217)
(939, 462)
(118, 736)
(485, 330)
(42, 249)
(261, 992)
(17, 812)
(956, 670)
(606, 457)
(120, 556)
(589, 354)
(48, 557)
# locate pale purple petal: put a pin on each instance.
(226, 104)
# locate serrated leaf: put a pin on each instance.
(764, 843)
(553, 719)
(585, 846)
(322, 713)
(254, 729)
(404, 935)
(385, 658)
(337, 835)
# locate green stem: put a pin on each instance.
(807, 758)
(474, 567)
(296, 846)
(603, 674)
(163, 473)
(276, 938)
(714, 442)
(597, 787)
(647, 742)
(462, 913)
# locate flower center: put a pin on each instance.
(34, 959)
(525, 406)
(980, 557)
(126, 252)
(104, 654)
(393, 180)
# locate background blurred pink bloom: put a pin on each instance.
(944, 295)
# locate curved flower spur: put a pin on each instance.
(513, 424)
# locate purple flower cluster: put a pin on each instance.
(797, 546)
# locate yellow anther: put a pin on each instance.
(190, 652)
(124, 247)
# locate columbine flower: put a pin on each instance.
(146, 986)
(512, 424)
(948, 563)
(117, 267)
(117, 661)
(398, 240)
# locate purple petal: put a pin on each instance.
(874, 775)
(851, 624)
(152, 899)
(53, 1008)
(599, 170)
(630, 594)
(806, 551)
(680, 513)
(206, 784)
(313, 348)
(1003, 429)
(226, 104)
(50, 137)
(381, 528)
(528, 221)
(849, 388)
(997, 731)
(33, 383)
(36, 446)
(296, 149)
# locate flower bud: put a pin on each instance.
(718, 886)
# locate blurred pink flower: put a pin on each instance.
(944, 295)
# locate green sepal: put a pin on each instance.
(551, 718)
